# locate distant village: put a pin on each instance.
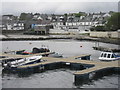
(37, 23)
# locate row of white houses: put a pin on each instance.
(75, 26)
(58, 21)
(13, 26)
(78, 23)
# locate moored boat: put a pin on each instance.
(40, 50)
(109, 56)
(24, 61)
(35, 50)
(56, 55)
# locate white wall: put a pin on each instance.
(105, 34)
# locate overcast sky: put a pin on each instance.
(60, 7)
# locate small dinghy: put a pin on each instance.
(56, 55)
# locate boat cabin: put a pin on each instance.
(108, 56)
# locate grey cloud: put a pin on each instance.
(57, 7)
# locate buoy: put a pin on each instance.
(80, 46)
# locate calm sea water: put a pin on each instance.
(58, 78)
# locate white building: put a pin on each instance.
(13, 26)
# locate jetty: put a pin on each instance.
(100, 48)
(92, 69)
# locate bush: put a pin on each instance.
(99, 28)
(114, 22)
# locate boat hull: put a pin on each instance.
(111, 59)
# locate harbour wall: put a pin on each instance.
(29, 37)
(80, 79)
(105, 34)
(12, 31)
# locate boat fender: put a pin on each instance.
(67, 63)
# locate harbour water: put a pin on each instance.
(58, 78)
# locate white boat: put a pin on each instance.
(56, 55)
(108, 56)
(24, 61)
